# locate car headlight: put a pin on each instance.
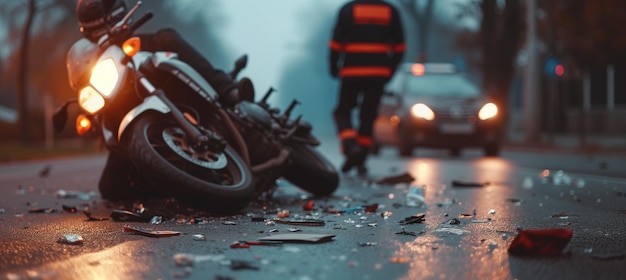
(488, 111)
(420, 110)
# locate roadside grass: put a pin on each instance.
(15, 152)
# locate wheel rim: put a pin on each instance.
(170, 144)
(175, 139)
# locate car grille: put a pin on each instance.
(455, 113)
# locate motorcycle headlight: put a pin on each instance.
(488, 111)
(103, 81)
(420, 110)
(90, 100)
(104, 77)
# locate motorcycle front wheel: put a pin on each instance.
(219, 181)
(311, 171)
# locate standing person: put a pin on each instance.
(366, 47)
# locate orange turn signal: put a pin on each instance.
(132, 46)
(83, 125)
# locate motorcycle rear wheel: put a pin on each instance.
(217, 181)
(311, 171)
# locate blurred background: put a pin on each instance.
(558, 67)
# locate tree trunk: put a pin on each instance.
(22, 95)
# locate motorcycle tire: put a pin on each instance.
(220, 182)
(310, 171)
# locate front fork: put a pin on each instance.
(157, 101)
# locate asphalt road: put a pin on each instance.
(521, 190)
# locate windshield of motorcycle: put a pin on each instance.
(81, 58)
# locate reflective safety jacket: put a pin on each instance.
(368, 41)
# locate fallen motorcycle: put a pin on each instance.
(145, 106)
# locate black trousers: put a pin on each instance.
(364, 95)
(170, 40)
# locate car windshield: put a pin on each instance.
(442, 85)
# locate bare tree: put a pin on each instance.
(422, 18)
(22, 73)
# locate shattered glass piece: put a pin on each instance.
(150, 233)
(415, 197)
(492, 211)
(527, 183)
(156, 220)
(372, 225)
(229, 223)
(75, 194)
(294, 229)
(199, 237)
(482, 221)
(540, 241)
(405, 232)
(386, 214)
(71, 239)
(453, 221)
(339, 226)
(367, 244)
(451, 230)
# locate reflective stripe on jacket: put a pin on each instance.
(368, 40)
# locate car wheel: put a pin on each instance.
(405, 147)
(492, 150)
(455, 152)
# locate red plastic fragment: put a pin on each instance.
(540, 241)
(308, 206)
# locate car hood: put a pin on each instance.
(445, 103)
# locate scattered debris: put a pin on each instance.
(71, 239)
(481, 221)
(128, 216)
(247, 244)
(415, 197)
(188, 260)
(301, 222)
(45, 171)
(453, 221)
(229, 223)
(607, 256)
(396, 179)
(42, 210)
(367, 244)
(151, 233)
(540, 241)
(70, 209)
(371, 208)
(199, 237)
(299, 237)
(411, 233)
(456, 183)
(452, 230)
(91, 218)
(75, 194)
(309, 206)
(239, 265)
(417, 218)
